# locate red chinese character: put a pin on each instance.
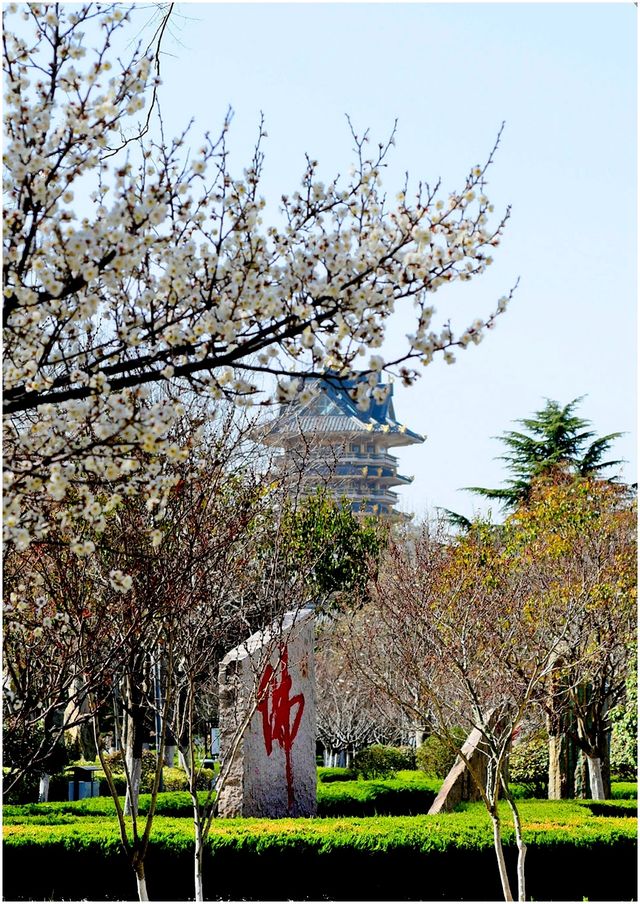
(275, 706)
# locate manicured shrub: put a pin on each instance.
(624, 790)
(335, 774)
(529, 765)
(572, 854)
(435, 756)
(379, 761)
(380, 797)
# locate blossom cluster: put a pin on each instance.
(131, 265)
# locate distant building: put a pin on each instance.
(330, 442)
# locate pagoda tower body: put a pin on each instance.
(329, 442)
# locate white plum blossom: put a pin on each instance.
(120, 581)
(134, 271)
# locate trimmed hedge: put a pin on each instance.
(335, 774)
(572, 855)
(396, 797)
(624, 790)
(391, 797)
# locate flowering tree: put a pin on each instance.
(130, 263)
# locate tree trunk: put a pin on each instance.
(141, 882)
(170, 754)
(197, 862)
(43, 790)
(133, 753)
(594, 767)
(522, 848)
(502, 866)
(563, 753)
(134, 765)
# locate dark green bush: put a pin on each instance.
(23, 792)
(335, 774)
(435, 756)
(379, 761)
(396, 797)
(529, 765)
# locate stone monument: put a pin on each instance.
(268, 722)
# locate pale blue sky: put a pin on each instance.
(563, 78)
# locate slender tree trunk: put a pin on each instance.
(502, 866)
(594, 767)
(134, 765)
(522, 848)
(43, 789)
(197, 861)
(135, 725)
(141, 882)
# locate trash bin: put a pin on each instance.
(82, 783)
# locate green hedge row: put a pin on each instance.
(624, 790)
(394, 797)
(335, 774)
(573, 854)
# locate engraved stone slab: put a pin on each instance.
(268, 722)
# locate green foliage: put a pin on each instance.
(335, 774)
(396, 797)
(379, 761)
(577, 854)
(555, 437)
(332, 546)
(529, 765)
(175, 803)
(624, 736)
(18, 745)
(175, 779)
(436, 756)
(624, 790)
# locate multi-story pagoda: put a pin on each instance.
(330, 442)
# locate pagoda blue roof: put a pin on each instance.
(332, 410)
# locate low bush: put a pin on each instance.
(572, 855)
(395, 796)
(529, 765)
(175, 803)
(335, 774)
(435, 756)
(624, 790)
(379, 761)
